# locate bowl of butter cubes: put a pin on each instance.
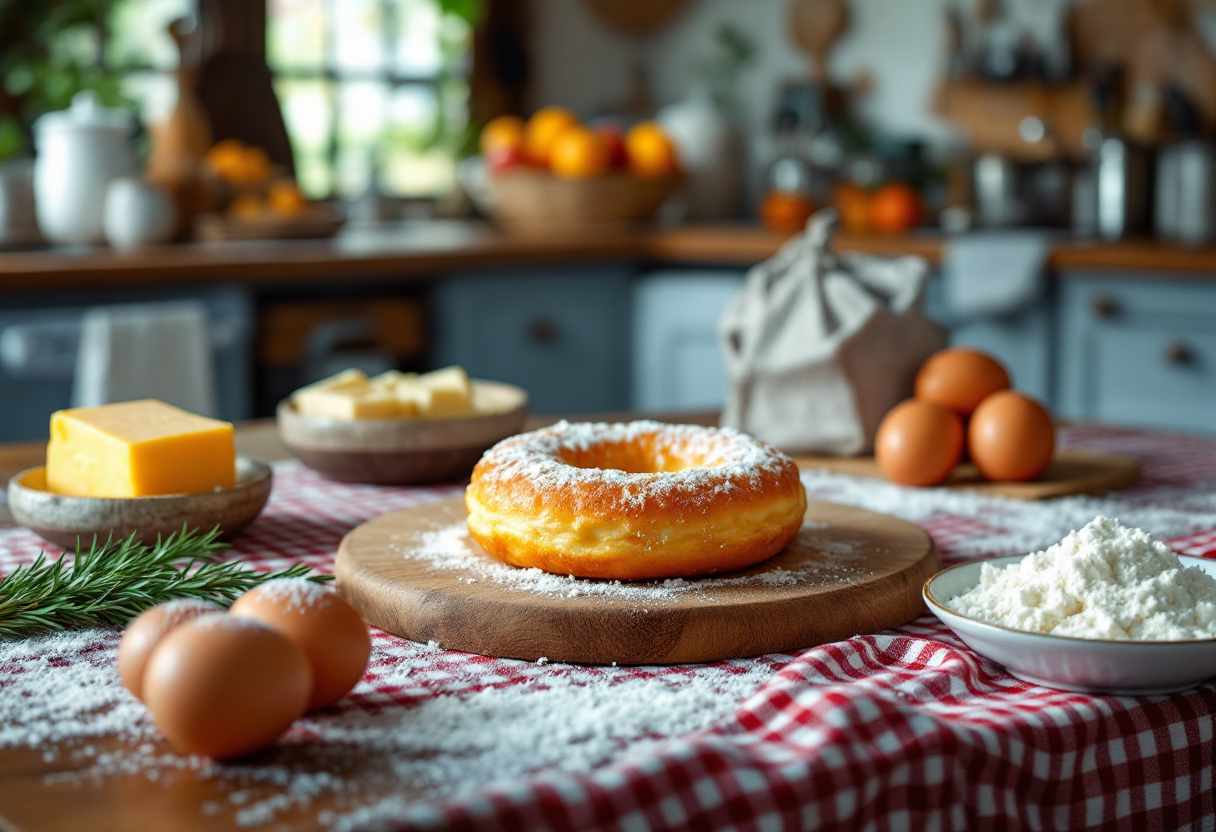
(399, 428)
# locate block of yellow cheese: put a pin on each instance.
(138, 449)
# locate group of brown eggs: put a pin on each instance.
(963, 406)
(226, 684)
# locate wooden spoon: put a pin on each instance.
(816, 24)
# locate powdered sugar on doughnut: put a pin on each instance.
(732, 460)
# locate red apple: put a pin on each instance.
(614, 140)
(505, 158)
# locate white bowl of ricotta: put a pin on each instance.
(1100, 612)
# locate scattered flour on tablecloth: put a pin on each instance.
(64, 691)
(1009, 526)
(493, 724)
(452, 548)
(1105, 581)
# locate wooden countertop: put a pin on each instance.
(424, 249)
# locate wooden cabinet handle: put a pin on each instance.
(542, 331)
(1104, 306)
(1178, 354)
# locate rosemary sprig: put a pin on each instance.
(114, 581)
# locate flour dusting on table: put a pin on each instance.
(1105, 581)
(451, 547)
(485, 729)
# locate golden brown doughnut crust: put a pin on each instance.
(634, 501)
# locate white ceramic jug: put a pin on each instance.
(705, 140)
(80, 150)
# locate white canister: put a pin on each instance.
(137, 213)
(80, 150)
(705, 140)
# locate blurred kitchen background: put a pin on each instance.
(299, 184)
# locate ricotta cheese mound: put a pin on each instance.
(1105, 581)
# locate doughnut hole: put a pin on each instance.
(646, 454)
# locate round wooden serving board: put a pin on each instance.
(849, 571)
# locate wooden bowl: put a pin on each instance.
(405, 451)
(63, 519)
(317, 222)
(533, 200)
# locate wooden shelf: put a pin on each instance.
(425, 250)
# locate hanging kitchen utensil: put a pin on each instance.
(816, 25)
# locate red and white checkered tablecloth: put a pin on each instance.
(905, 729)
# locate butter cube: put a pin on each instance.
(389, 379)
(440, 394)
(364, 403)
(138, 449)
(346, 380)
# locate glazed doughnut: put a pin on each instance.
(634, 501)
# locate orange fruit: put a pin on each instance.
(579, 153)
(650, 150)
(543, 129)
(786, 211)
(284, 197)
(852, 205)
(895, 208)
(245, 205)
(226, 158)
(502, 135)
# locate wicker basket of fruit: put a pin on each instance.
(257, 201)
(551, 172)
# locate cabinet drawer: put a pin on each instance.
(1154, 378)
(1139, 352)
(563, 335)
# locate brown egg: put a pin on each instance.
(918, 443)
(960, 379)
(146, 631)
(224, 686)
(1011, 437)
(322, 624)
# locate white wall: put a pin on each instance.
(582, 64)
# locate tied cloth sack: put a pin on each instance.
(819, 345)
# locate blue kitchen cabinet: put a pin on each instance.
(40, 342)
(1138, 350)
(677, 360)
(564, 335)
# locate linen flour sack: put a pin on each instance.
(819, 345)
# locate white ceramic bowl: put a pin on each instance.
(1090, 665)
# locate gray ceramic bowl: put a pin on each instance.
(63, 520)
(405, 451)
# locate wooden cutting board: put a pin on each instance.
(849, 571)
(1071, 472)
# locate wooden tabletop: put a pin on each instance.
(426, 249)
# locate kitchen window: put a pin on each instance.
(373, 92)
